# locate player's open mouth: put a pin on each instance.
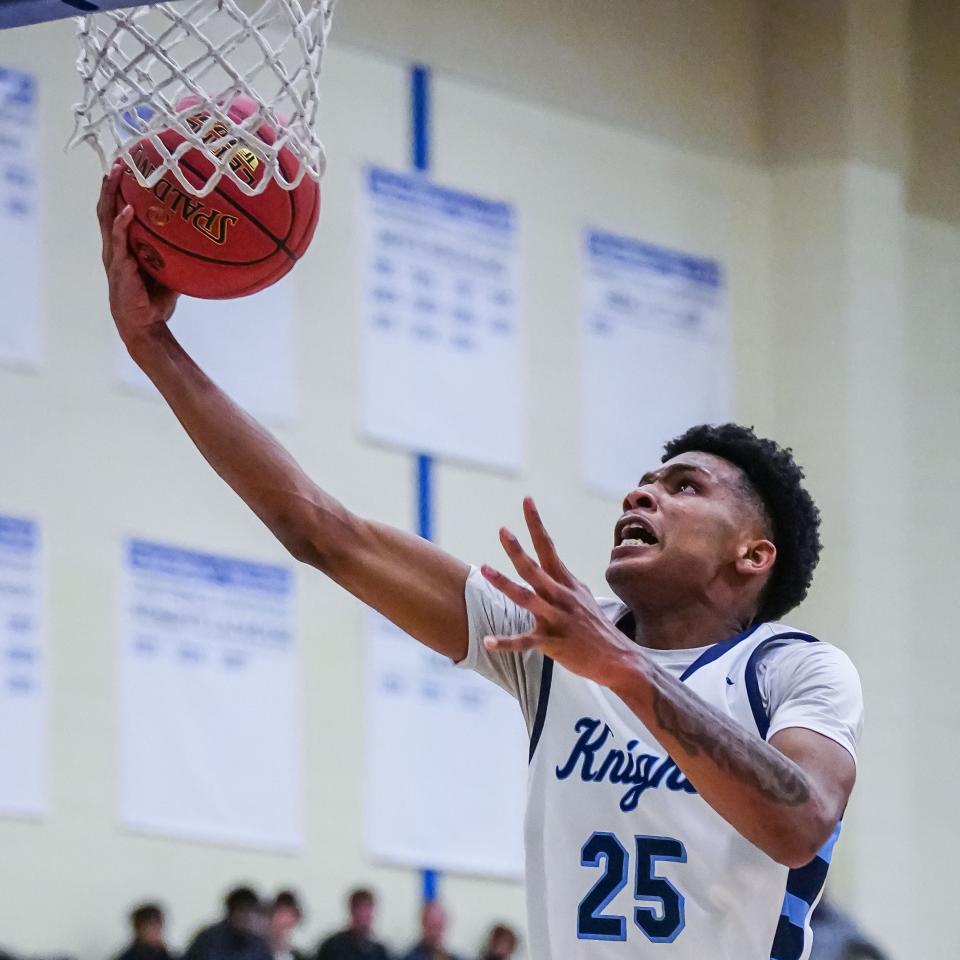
(635, 532)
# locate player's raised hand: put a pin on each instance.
(569, 625)
(137, 302)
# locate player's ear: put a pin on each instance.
(756, 557)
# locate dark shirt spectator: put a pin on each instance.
(357, 941)
(433, 930)
(238, 936)
(423, 951)
(837, 937)
(143, 951)
(349, 945)
(147, 921)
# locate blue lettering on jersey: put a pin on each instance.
(644, 771)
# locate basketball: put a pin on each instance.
(226, 244)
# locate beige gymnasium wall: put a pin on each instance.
(933, 364)
(866, 306)
(780, 138)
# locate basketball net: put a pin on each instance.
(183, 66)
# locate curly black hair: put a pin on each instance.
(774, 478)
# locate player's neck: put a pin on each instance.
(683, 629)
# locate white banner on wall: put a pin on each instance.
(23, 687)
(209, 701)
(247, 346)
(656, 354)
(21, 248)
(446, 761)
(441, 352)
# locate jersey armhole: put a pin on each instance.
(753, 682)
(546, 677)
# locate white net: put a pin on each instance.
(235, 79)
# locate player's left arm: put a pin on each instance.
(785, 796)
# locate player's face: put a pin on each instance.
(683, 528)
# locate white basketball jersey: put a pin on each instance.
(624, 859)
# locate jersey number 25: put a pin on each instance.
(660, 925)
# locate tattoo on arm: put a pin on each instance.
(701, 730)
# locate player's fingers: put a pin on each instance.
(116, 178)
(108, 191)
(125, 282)
(519, 594)
(543, 543)
(106, 203)
(158, 291)
(517, 644)
(106, 223)
(118, 234)
(529, 569)
(523, 563)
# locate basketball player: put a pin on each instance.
(690, 757)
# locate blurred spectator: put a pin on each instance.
(148, 943)
(240, 935)
(837, 937)
(433, 931)
(356, 942)
(286, 915)
(501, 944)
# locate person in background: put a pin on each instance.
(837, 937)
(501, 943)
(356, 941)
(240, 935)
(146, 921)
(286, 914)
(433, 931)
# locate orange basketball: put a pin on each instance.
(226, 244)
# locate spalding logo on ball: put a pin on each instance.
(225, 244)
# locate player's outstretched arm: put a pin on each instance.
(409, 580)
(785, 796)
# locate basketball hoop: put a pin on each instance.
(185, 66)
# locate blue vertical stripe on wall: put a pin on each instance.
(420, 117)
(420, 160)
(424, 467)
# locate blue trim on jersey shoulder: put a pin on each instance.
(546, 678)
(806, 882)
(826, 851)
(787, 941)
(794, 909)
(753, 684)
(716, 651)
(804, 885)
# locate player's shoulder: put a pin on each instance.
(788, 650)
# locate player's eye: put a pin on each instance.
(686, 486)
